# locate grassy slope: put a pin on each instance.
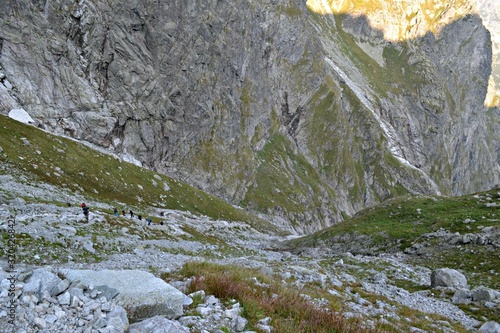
(284, 180)
(68, 164)
(400, 223)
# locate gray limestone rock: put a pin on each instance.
(483, 294)
(461, 296)
(240, 323)
(157, 325)
(40, 281)
(64, 299)
(490, 327)
(59, 288)
(118, 318)
(140, 293)
(446, 277)
(107, 292)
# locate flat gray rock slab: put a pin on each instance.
(141, 294)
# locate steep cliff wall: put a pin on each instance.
(490, 13)
(306, 115)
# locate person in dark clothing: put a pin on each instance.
(139, 217)
(131, 213)
(149, 220)
(115, 211)
(123, 213)
(85, 209)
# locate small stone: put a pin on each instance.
(232, 313)
(60, 288)
(204, 311)
(106, 306)
(60, 314)
(100, 323)
(93, 293)
(186, 300)
(75, 302)
(211, 300)
(40, 323)
(265, 328)
(91, 306)
(265, 321)
(240, 323)
(89, 247)
(51, 318)
(64, 299)
(199, 293)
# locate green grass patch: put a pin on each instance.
(404, 219)
(68, 164)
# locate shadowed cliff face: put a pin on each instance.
(299, 115)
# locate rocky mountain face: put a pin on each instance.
(490, 13)
(303, 113)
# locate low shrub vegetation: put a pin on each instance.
(261, 296)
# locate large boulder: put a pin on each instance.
(483, 294)
(446, 277)
(462, 296)
(490, 327)
(41, 280)
(157, 325)
(140, 293)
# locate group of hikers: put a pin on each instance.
(115, 213)
(86, 210)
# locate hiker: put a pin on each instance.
(123, 212)
(85, 209)
(161, 222)
(149, 220)
(115, 211)
(131, 213)
(68, 202)
(139, 217)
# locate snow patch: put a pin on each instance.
(131, 159)
(21, 115)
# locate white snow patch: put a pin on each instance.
(21, 115)
(131, 159)
(116, 141)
